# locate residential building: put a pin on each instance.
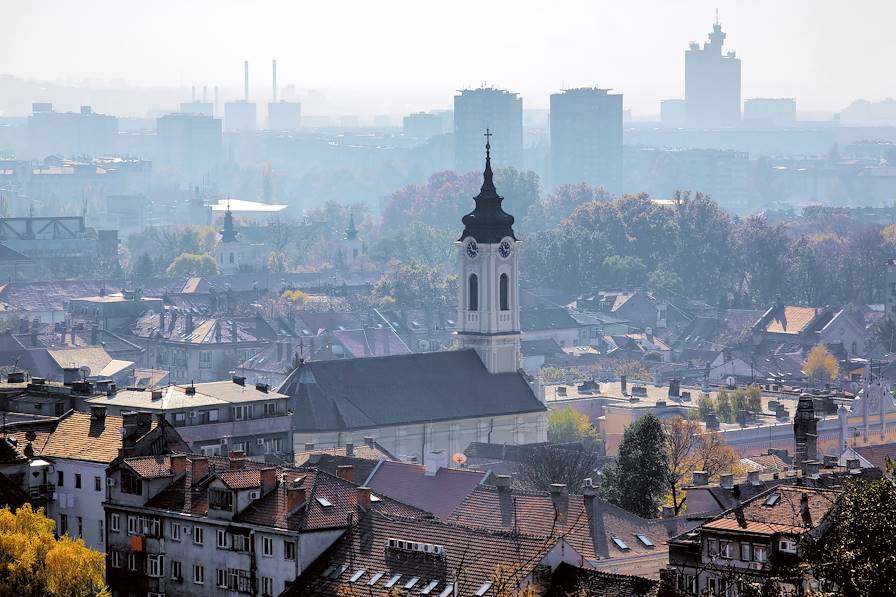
(499, 111)
(189, 525)
(190, 144)
(804, 327)
(553, 323)
(70, 133)
(57, 246)
(752, 541)
(421, 125)
(762, 111)
(586, 138)
(69, 470)
(712, 83)
(216, 417)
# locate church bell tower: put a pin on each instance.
(488, 269)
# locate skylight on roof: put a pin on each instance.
(391, 582)
(620, 543)
(772, 499)
(338, 571)
(375, 578)
(428, 588)
(323, 501)
(375, 498)
(410, 584)
(447, 591)
(483, 588)
(358, 574)
(645, 540)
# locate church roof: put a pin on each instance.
(402, 389)
(488, 222)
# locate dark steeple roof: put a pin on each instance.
(488, 223)
(228, 233)
(351, 233)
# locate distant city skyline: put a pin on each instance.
(395, 57)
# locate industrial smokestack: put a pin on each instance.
(215, 111)
(193, 93)
(204, 94)
(274, 67)
(246, 77)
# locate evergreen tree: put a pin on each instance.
(635, 481)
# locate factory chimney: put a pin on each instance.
(274, 67)
(193, 93)
(246, 78)
(215, 110)
(204, 94)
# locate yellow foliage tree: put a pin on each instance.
(295, 296)
(568, 425)
(821, 365)
(888, 234)
(33, 562)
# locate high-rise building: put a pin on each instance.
(488, 305)
(712, 83)
(189, 143)
(70, 134)
(586, 138)
(422, 125)
(499, 111)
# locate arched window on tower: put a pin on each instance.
(473, 293)
(504, 284)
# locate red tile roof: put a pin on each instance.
(79, 437)
(471, 558)
(151, 467)
(878, 455)
(440, 493)
(784, 516)
(241, 478)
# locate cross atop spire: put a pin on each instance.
(488, 144)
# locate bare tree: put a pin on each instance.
(557, 464)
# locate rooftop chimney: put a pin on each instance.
(502, 482)
(246, 79)
(674, 388)
(623, 383)
(435, 460)
(345, 472)
(701, 478)
(369, 441)
(805, 513)
(70, 375)
(268, 479)
(560, 498)
(94, 334)
(178, 463)
(295, 497)
(753, 477)
(364, 498)
(274, 69)
(97, 413)
(349, 448)
(199, 467)
(727, 481)
(237, 460)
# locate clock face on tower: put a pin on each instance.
(472, 249)
(504, 249)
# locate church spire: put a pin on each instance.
(351, 233)
(488, 222)
(228, 233)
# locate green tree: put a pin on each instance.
(37, 564)
(277, 262)
(414, 284)
(191, 264)
(856, 557)
(568, 425)
(636, 480)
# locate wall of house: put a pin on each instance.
(84, 502)
(414, 441)
(563, 337)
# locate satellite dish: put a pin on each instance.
(459, 458)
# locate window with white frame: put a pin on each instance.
(115, 523)
(198, 535)
(270, 409)
(198, 574)
(726, 549)
(760, 553)
(289, 550)
(205, 359)
(267, 586)
(221, 539)
(132, 561)
(746, 552)
(175, 531)
(267, 547)
(176, 570)
(213, 415)
(155, 565)
(115, 558)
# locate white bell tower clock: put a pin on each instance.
(488, 267)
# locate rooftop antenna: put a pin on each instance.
(246, 79)
(717, 16)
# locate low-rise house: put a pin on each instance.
(189, 525)
(752, 542)
(363, 459)
(808, 326)
(216, 417)
(553, 323)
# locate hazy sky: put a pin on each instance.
(396, 56)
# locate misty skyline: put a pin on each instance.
(397, 57)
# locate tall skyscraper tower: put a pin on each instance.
(487, 108)
(488, 305)
(712, 83)
(586, 138)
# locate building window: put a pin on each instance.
(504, 286)
(155, 565)
(205, 359)
(115, 523)
(221, 539)
(691, 584)
(198, 537)
(175, 531)
(473, 293)
(712, 547)
(221, 578)
(198, 574)
(102, 530)
(131, 484)
(115, 559)
(63, 524)
(745, 554)
(242, 412)
(231, 258)
(267, 586)
(77, 480)
(98, 483)
(132, 561)
(213, 416)
(60, 479)
(759, 553)
(289, 550)
(176, 570)
(270, 409)
(267, 546)
(179, 418)
(80, 527)
(219, 499)
(725, 549)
